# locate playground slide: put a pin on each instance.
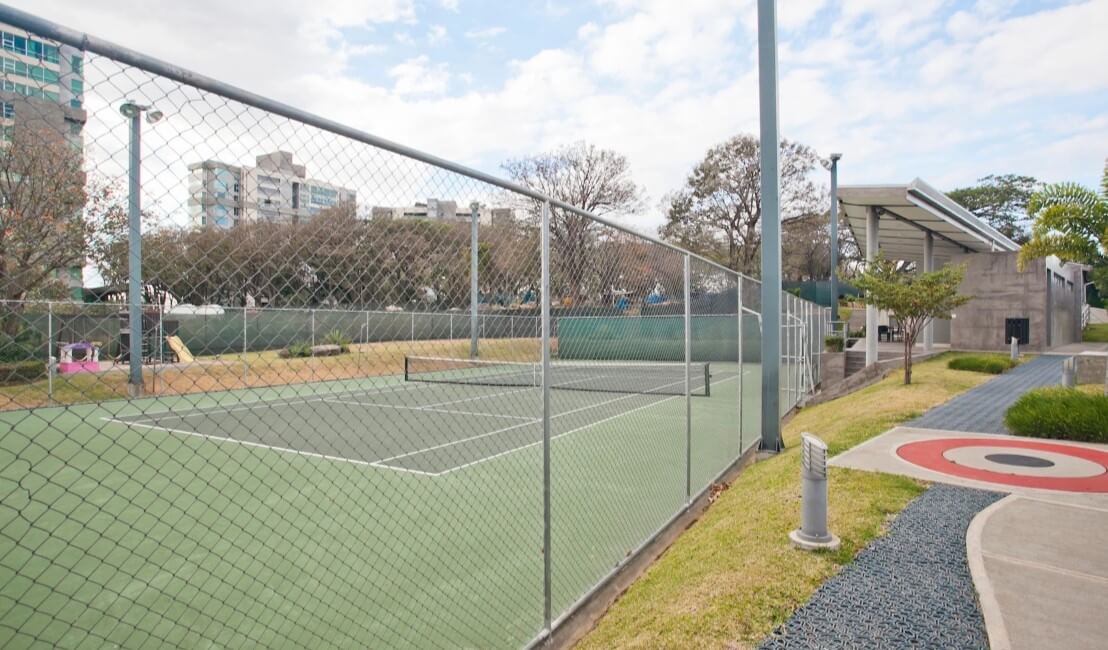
(180, 349)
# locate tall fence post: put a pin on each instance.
(50, 363)
(312, 313)
(134, 250)
(474, 285)
(545, 245)
(771, 225)
(451, 325)
(413, 327)
(245, 363)
(739, 311)
(688, 372)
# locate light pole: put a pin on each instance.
(134, 111)
(770, 138)
(834, 235)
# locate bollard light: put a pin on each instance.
(813, 534)
(1015, 349)
(1069, 372)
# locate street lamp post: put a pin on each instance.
(834, 235)
(134, 112)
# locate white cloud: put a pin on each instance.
(418, 76)
(436, 34)
(449, 5)
(486, 33)
(903, 87)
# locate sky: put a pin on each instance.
(944, 90)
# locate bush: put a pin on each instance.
(24, 345)
(1061, 413)
(22, 372)
(299, 349)
(992, 364)
(339, 338)
(833, 343)
(857, 334)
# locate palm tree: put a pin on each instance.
(1071, 222)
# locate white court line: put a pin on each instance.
(552, 438)
(511, 428)
(428, 408)
(517, 426)
(560, 435)
(259, 445)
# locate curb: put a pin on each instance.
(986, 597)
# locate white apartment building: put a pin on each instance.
(275, 189)
(42, 86)
(42, 81)
(440, 210)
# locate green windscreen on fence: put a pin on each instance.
(631, 338)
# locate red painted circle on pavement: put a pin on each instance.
(929, 454)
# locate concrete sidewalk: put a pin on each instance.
(1038, 557)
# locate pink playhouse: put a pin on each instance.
(79, 357)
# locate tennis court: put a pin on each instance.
(330, 499)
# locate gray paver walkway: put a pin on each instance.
(909, 589)
(981, 410)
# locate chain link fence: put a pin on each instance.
(329, 392)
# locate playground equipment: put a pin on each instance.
(78, 357)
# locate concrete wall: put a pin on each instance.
(999, 291)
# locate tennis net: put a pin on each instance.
(646, 378)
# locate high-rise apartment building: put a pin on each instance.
(42, 87)
(440, 210)
(275, 189)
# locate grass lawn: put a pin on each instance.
(251, 370)
(1096, 333)
(733, 576)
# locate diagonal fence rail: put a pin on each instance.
(329, 390)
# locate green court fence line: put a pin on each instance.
(658, 338)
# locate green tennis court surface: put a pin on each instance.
(284, 515)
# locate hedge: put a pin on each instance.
(1061, 413)
(20, 372)
(993, 364)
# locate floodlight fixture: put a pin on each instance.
(131, 109)
(154, 116)
(836, 156)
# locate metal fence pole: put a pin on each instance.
(413, 326)
(474, 284)
(245, 364)
(50, 365)
(312, 312)
(739, 311)
(771, 224)
(546, 300)
(134, 256)
(688, 372)
(451, 326)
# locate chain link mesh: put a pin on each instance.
(335, 441)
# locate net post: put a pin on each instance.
(546, 300)
(707, 379)
(688, 373)
(405, 367)
(473, 281)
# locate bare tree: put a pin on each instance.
(47, 210)
(587, 177)
(718, 212)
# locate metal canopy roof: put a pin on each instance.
(908, 211)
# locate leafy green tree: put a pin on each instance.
(913, 299)
(1001, 200)
(718, 213)
(1071, 222)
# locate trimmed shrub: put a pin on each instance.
(833, 343)
(1061, 413)
(24, 345)
(22, 372)
(992, 364)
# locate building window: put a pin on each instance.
(77, 64)
(9, 110)
(75, 103)
(77, 86)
